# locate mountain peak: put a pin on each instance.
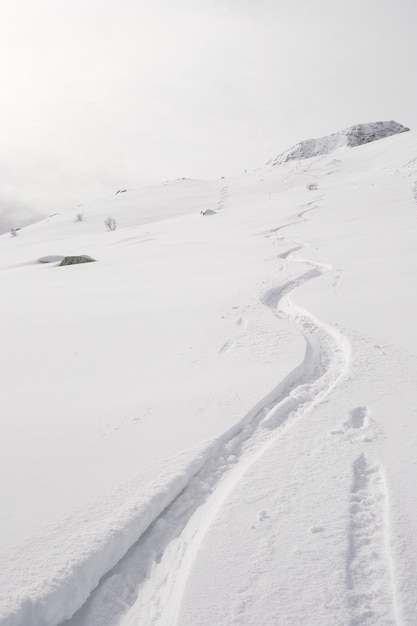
(347, 138)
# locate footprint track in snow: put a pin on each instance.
(368, 565)
(358, 418)
(241, 324)
(224, 192)
(359, 427)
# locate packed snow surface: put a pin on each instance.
(215, 422)
(348, 138)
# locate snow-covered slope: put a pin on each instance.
(348, 138)
(214, 423)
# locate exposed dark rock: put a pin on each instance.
(74, 260)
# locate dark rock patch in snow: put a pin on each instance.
(348, 138)
(74, 260)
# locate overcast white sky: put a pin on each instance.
(102, 94)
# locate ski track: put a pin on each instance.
(290, 252)
(369, 564)
(415, 191)
(148, 583)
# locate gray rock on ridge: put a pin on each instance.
(347, 138)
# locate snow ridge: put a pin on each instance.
(347, 138)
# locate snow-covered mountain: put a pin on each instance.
(348, 138)
(214, 423)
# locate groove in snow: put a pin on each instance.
(147, 585)
(369, 575)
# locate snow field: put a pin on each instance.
(148, 420)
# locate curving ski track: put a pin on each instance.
(147, 585)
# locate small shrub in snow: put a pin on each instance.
(79, 217)
(13, 232)
(312, 186)
(110, 223)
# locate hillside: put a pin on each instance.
(348, 138)
(214, 422)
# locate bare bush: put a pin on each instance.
(110, 223)
(79, 217)
(13, 232)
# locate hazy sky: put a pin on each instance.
(102, 94)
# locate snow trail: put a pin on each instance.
(147, 585)
(223, 197)
(369, 576)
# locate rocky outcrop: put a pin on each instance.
(348, 138)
